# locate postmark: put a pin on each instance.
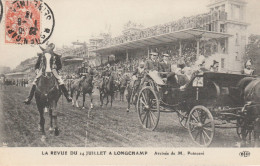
(1, 10)
(28, 22)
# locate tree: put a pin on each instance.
(253, 52)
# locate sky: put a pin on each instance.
(80, 19)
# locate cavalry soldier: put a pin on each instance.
(82, 70)
(248, 68)
(56, 67)
(215, 66)
(105, 74)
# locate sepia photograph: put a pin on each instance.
(99, 75)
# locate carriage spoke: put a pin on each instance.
(204, 125)
(207, 129)
(141, 99)
(198, 116)
(195, 118)
(147, 119)
(203, 137)
(153, 115)
(144, 98)
(206, 134)
(152, 119)
(198, 133)
(144, 117)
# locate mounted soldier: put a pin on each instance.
(55, 69)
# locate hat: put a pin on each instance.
(201, 60)
(248, 63)
(167, 55)
(154, 53)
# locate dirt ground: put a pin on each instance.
(106, 127)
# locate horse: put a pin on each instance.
(250, 94)
(107, 88)
(47, 95)
(87, 88)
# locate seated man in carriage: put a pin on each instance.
(215, 66)
(199, 69)
(56, 67)
(151, 66)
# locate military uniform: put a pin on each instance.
(55, 66)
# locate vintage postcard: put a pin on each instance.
(129, 82)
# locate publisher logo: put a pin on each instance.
(244, 154)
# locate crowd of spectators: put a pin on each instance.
(16, 82)
(203, 21)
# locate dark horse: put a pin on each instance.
(107, 87)
(87, 88)
(250, 95)
(47, 95)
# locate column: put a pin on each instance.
(127, 58)
(148, 52)
(180, 49)
(198, 47)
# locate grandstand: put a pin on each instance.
(220, 34)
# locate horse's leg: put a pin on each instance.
(101, 98)
(91, 101)
(51, 120)
(256, 132)
(77, 104)
(42, 122)
(71, 95)
(107, 99)
(112, 98)
(84, 97)
(55, 118)
(128, 97)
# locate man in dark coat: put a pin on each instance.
(55, 67)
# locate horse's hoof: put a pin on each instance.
(56, 131)
(51, 129)
(91, 106)
(39, 128)
(83, 108)
(43, 138)
(45, 110)
(127, 110)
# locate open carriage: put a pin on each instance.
(209, 101)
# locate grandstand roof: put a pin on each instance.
(162, 39)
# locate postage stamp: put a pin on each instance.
(28, 22)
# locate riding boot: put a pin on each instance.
(65, 92)
(29, 98)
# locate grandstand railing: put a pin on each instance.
(202, 21)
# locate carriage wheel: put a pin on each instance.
(183, 118)
(148, 108)
(201, 126)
